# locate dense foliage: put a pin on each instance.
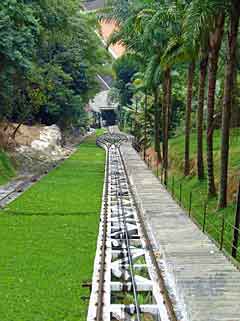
(188, 78)
(49, 59)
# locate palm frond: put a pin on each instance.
(200, 19)
(175, 53)
(152, 74)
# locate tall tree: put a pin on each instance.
(50, 58)
(19, 30)
(227, 99)
(166, 111)
(157, 121)
(200, 109)
(162, 26)
(215, 42)
(191, 69)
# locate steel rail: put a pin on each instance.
(119, 173)
(167, 299)
(99, 313)
(7, 195)
(126, 239)
(19, 188)
(26, 183)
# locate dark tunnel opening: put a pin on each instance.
(109, 117)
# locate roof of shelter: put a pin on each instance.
(102, 102)
(94, 4)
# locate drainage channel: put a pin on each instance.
(125, 283)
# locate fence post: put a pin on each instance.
(236, 226)
(165, 176)
(180, 193)
(222, 232)
(173, 186)
(204, 216)
(165, 179)
(190, 204)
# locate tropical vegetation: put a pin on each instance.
(49, 59)
(183, 76)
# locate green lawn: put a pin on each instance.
(199, 189)
(6, 168)
(48, 240)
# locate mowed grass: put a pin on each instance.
(6, 168)
(48, 241)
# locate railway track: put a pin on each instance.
(16, 188)
(127, 282)
(14, 191)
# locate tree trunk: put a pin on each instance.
(215, 45)
(2, 63)
(164, 118)
(13, 136)
(167, 93)
(145, 126)
(25, 113)
(201, 97)
(157, 119)
(169, 111)
(191, 70)
(227, 102)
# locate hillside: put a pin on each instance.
(176, 155)
(199, 189)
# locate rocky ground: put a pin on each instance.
(42, 152)
(37, 150)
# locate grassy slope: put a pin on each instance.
(200, 189)
(6, 168)
(48, 239)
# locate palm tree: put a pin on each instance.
(162, 28)
(214, 48)
(152, 81)
(157, 119)
(207, 17)
(133, 32)
(149, 20)
(167, 95)
(191, 69)
(201, 97)
(179, 51)
(227, 99)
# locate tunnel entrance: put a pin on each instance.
(109, 117)
(104, 109)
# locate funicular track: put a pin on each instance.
(127, 283)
